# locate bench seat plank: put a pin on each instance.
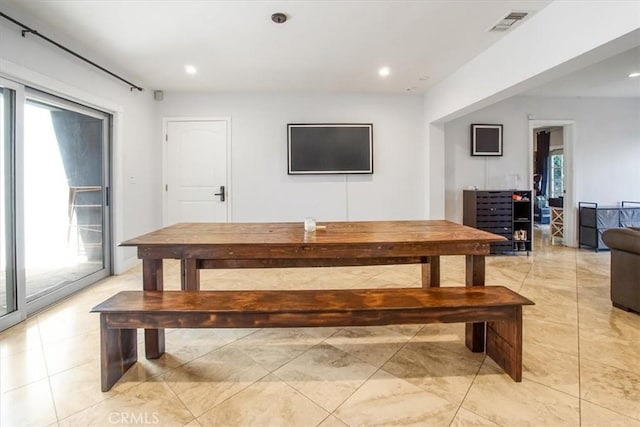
(311, 301)
(127, 311)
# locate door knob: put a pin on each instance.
(221, 193)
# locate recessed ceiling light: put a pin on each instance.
(190, 69)
(636, 74)
(384, 71)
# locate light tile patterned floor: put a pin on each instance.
(581, 359)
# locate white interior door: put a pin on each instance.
(196, 171)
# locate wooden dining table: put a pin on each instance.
(287, 245)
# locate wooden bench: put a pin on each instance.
(126, 311)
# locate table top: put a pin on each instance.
(287, 233)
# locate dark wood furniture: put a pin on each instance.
(126, 311)
(595, 219)
(506, 213)
(263, 245)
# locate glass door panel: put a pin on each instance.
(8, 290)
(65, 185)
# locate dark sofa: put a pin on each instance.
(625, 267)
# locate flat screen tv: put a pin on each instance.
(330, 148)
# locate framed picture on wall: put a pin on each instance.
(486, 140)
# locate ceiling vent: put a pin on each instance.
(508, 21)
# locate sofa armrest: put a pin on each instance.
(623, 239)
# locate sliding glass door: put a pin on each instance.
(54, 199)
(66, 215)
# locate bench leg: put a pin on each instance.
(118, 351)
(504, 344)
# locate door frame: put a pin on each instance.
(165, 161)
(569, 133)
(17, 209)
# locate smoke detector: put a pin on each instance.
(509, 20)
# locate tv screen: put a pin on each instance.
(330, 148)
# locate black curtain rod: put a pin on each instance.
(26, 29)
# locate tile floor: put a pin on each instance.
(581, 359)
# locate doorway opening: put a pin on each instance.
(551, 166)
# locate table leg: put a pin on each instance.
(190, 275)
(431, 272)
(152, 281)
(475, 274)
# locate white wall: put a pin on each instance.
(260, 188)
(561, 38)
(607, 148)
(136, 206)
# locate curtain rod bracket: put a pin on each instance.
(24, 32)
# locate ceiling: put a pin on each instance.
(324, 45)
(608, 78)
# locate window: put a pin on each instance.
(556, 184)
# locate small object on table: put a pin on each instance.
(309, 225)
